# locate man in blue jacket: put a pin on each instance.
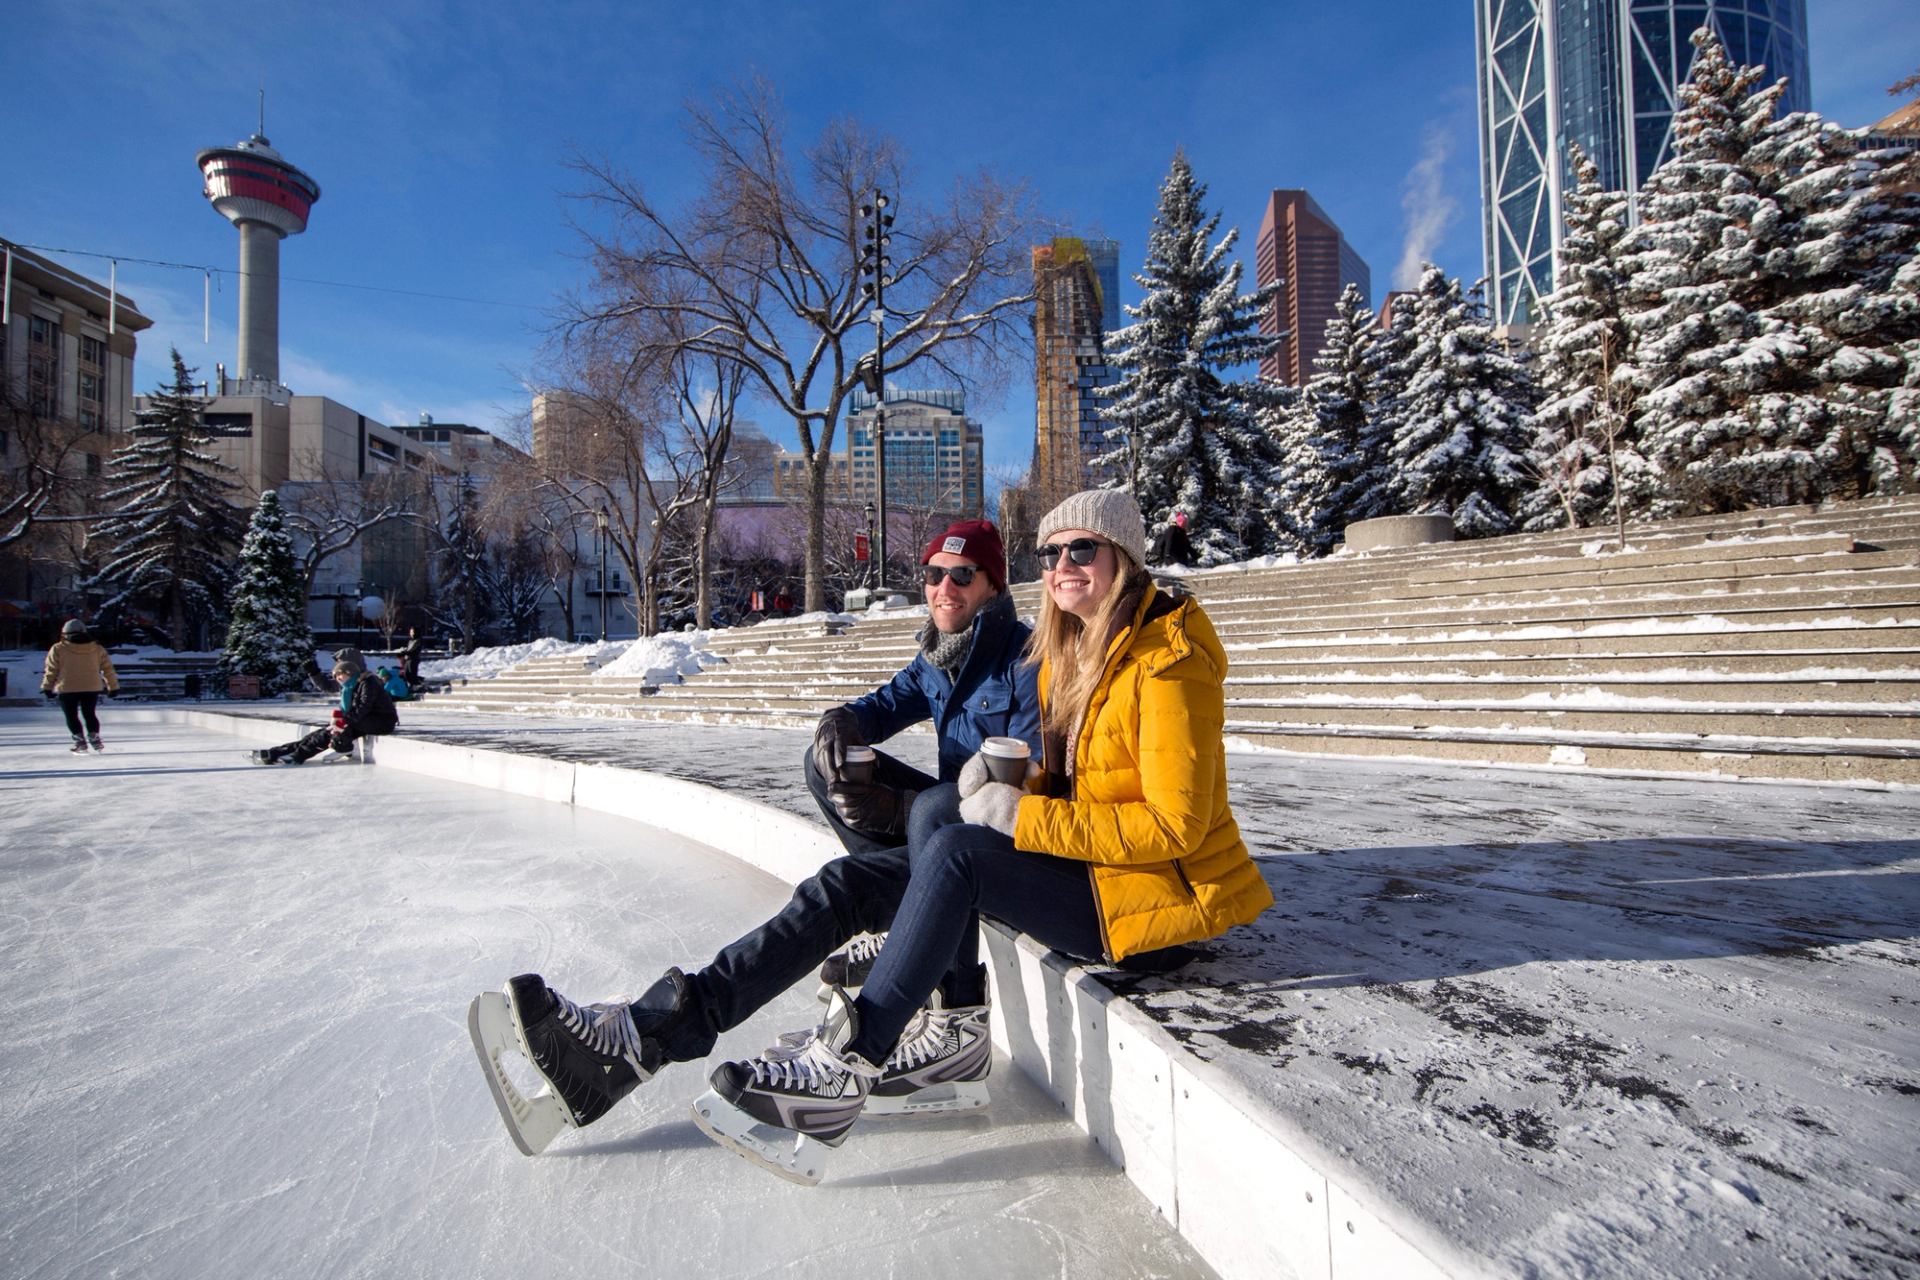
(969, 679)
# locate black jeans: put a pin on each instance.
(857, 893)
(959, 872)
(81, 706)
(888, 772)
(306, 748)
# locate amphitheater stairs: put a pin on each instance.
(1779, 644)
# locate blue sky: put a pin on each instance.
(439, 134)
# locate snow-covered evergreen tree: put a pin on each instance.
(1771, 335)
(267, 634)
(1460, 439)
(1388, 368)
(171, 533)
(1582, 428)
(1199, 443)
(1333, 458)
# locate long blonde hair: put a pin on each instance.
(1074, 651)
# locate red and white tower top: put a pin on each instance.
(252, 186)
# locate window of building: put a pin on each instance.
(93, 464)
(40, 330)
(93, 351)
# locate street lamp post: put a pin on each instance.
(600, 528)
(867, 575)
(874, 259)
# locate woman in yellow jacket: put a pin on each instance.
(78, 671)
(1120, 843)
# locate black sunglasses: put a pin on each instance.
(1080, 551)
(962, 574)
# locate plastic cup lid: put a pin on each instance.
(1007, 748)
(859, 755)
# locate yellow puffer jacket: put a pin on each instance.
(1149, 811)
(79, 668)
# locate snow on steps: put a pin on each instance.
(1781, 644)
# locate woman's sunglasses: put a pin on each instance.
(1080, 551)
(962, 574)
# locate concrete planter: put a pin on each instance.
(1398, 531)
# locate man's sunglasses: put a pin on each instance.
(1080, 551)
(962, 574)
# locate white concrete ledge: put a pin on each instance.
(1251, 1193)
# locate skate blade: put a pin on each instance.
(825, 993)
(938, 1099)
(792, 1156)
(533, 1122)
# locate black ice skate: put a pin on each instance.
(780, 1109)
(940, 1064)
(589, 1056)
(849, 966)
(93, 740)
(79, 746)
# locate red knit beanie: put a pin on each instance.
(979, 542)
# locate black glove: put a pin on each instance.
(51, 695)
(109, 693)
(872, 809)
(839, 729)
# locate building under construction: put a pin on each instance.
(1070, 369)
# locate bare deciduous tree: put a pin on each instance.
(763, 270)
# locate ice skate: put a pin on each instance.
(590, 1057)
(93, 740)
(781, 1109)
(848, 967)
(79, 746)
(939, 1065)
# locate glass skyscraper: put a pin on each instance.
(1604, 74)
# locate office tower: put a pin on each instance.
(1605, 74)
(1070, 369)
(934, 452)
(1302, 248)
(255, 188)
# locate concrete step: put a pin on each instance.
(1677, 686)
(1687, 635)
(1846, 721)
(1734, 757)
(1899, 605)
(1265, 664)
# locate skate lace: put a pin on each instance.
(932, 1033)
(865, 947)
(605, 1027)
(802, 1060)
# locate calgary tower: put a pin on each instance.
(252, 186)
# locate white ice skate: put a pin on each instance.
(534, 1122)
(939, 1065)
(782, 1109)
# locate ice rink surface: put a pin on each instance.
(236, 1046)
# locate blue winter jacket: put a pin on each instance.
(997, 695)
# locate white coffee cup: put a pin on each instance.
(857, 766)
(1006, 759)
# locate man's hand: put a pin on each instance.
(870, 808)
(839, 729)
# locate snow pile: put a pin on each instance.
(661, 659)
(484, 664)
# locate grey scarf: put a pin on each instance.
(949, 652)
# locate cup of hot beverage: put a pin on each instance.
(1006, 759)
(858, 765)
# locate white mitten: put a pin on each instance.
(973, 775)
(994, 804)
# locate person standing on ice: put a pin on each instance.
(1120, 844)
(968, 679)
(78, 671)
(366, 710)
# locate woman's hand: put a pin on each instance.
(992, 804)
(973, 775)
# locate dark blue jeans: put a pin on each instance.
(857, 893)
(78, 708)
(959, 872)
(888, 772)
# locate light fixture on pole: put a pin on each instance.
(872, 371)
(600, 529)
(868, 573)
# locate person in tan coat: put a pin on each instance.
(78, 671)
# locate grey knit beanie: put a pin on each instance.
(1112, 514)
